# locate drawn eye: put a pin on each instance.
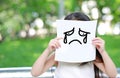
(68, 33)
(81, 33)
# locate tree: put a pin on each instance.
(16, 14)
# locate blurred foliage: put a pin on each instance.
(114, 6)
(15, 14)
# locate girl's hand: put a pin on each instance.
(99, 44)
(54, 44)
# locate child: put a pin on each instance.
(75, 70)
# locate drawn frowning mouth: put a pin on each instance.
(75, 40)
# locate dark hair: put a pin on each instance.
(81, 16)
(77, 16)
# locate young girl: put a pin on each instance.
(75, 70)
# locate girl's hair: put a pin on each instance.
(77, 16)
(82, 17)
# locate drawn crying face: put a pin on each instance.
(81, 33)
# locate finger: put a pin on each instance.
(99, 46)
(52, 43)
(57, 45)
(59, 38)
(97, 38)
(53, 46)
(98, 41)
(57, 41)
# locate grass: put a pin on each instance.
(113, 48)
(24, 52)
(21, 52)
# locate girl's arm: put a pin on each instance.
(107, 66)
(46, 60)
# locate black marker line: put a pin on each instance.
(75, 40)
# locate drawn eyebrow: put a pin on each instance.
(75, 40)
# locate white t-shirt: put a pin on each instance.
(74, 70)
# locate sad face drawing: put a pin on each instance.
(80, 32)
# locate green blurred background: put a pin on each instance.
(26, 26)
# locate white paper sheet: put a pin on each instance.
(75, 46)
